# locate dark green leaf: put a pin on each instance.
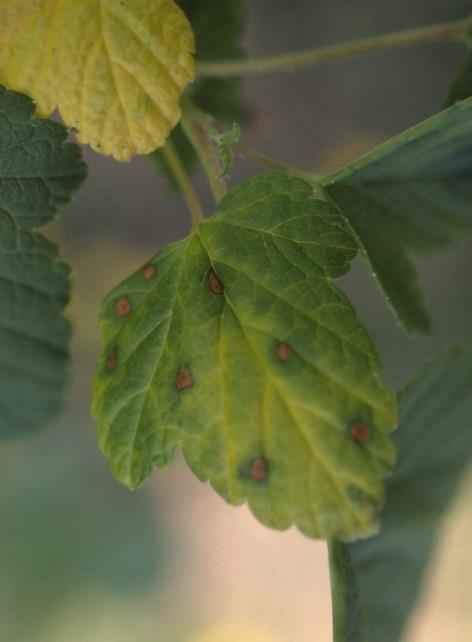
(38, 173)
(412, 194)
(462, 87)
(235, 345)
(377, 580)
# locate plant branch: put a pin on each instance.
(344, 594)
(182, 178)
(197, 126)
(287, 62)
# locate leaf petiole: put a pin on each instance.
(197, 126)
(182, 178)
(457, 30)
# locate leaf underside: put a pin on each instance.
(382, 575)
(235, 345)
(411, 195)
(38, 173)
(115, 69)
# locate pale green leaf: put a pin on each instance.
(225, 142)
(235, 345)
(38, 173)
(377, 581)
(412, 194)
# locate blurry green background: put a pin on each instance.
(83, 559)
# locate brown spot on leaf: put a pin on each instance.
(123, 307)
(111, 360)
(284, 351)
(183, 379)
(214, 283)
(149, 272)
(258, 469)
(360, 432)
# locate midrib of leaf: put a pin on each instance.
(101, 14)
(271, 234)
(324, 373)
(298, 424)
(269, 377)
(225, 422)
(287, 405)
(136, 35)
(46, 49)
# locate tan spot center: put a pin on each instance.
(258, 469)
(183, 379)
(214, 283)
(284, 351)
(360, 432)
(149, 272)
(123, 307)
(111, 360)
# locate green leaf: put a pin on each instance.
(224, 142)
(218, 26)
(462, 86)
(38, 173)
(377, 580)
(235, 345)
(412, 194)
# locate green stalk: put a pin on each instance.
(197, 126)
(288, 62)
(182, 178)
(344, 595)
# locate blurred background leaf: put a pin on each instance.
(67, 531)
(462, 85)
(380, 578)
(218, 26)
(411, 195)
(39, 173)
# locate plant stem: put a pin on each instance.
(182, 178)
(197, 126)
(346, 616)
(287, 62)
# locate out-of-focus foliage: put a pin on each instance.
(68, 531)
(38, 173)
(411, 194)
(377, 581)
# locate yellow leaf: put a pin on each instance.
(115, 69)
